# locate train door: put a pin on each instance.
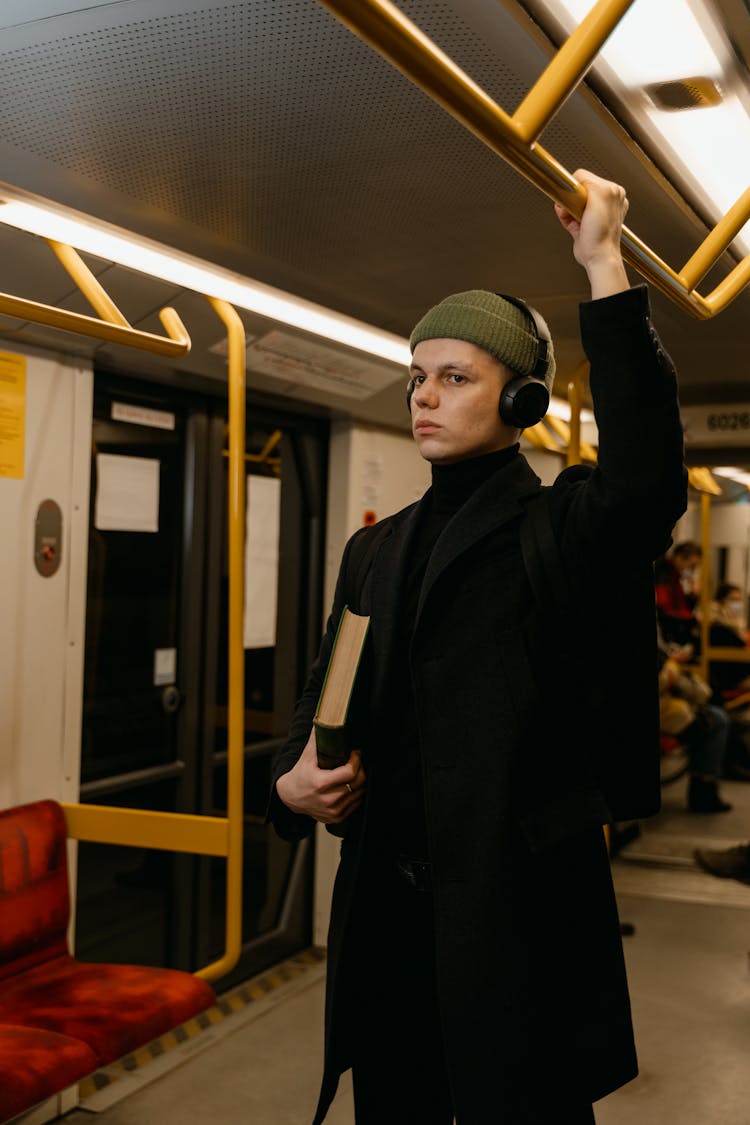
(142, 666)
(286, 466)
(154, 722)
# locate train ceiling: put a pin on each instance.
(263, 136)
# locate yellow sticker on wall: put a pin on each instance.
(12, 414)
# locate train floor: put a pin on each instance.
(690, 985)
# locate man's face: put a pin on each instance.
(455, 404)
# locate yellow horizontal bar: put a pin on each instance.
(701, 479)
(562, 429)
(100, 301)
(142, 828)
(540, 436)
(726, 655)
(397, 39)
(178, 343)
(567, 68)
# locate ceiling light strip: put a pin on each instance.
(104, 241)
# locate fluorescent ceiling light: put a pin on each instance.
(663, 41)
(740, 475)
(113, 245)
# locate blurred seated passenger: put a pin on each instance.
(676, 593)
(730, 680)
(726, 631)
(684, 711)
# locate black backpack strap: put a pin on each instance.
(541, 557)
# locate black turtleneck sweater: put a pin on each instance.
(396, 820)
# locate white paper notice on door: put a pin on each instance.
(127, 493)
(262, 561)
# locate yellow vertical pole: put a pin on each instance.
(236, 700)
(575, 398)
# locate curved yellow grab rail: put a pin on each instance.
(110, 325)
(398, 40)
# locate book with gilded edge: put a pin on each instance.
(335, 695)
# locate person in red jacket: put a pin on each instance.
(675, 597)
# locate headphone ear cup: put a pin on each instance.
(523, 402)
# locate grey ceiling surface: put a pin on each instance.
(265, 137)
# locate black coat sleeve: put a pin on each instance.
(631, 501)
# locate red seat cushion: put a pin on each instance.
(36, 1064)
(113, 1008)
(34, 903)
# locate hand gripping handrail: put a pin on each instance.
(110, 325)
(513, 138)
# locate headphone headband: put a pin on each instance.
(544, 340)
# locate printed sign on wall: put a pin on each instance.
(12, 414)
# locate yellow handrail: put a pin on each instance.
(110, 325)
(398, 40)
(236, 655)
(144, 828)
(98, 298)
(575, 400)
(567, 69)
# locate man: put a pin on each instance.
(470, 812)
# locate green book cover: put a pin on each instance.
(335, 695)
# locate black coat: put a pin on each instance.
(529, 956)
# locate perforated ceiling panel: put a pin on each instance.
(265, 136)
(270, 125)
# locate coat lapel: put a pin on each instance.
(497, 501)
(389, 570)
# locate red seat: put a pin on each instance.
(36, 1064)
(669, 743)
(109, 1009)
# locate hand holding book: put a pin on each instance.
(335, 696)
(329, 795)
(328, 781)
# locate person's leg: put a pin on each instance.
(398, 1067)
(708, 745)
(709, 750)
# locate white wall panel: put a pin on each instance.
(41, 641)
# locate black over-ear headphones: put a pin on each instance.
(525, 399)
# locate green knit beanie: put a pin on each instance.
(489, 321)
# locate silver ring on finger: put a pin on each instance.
(348, 786)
